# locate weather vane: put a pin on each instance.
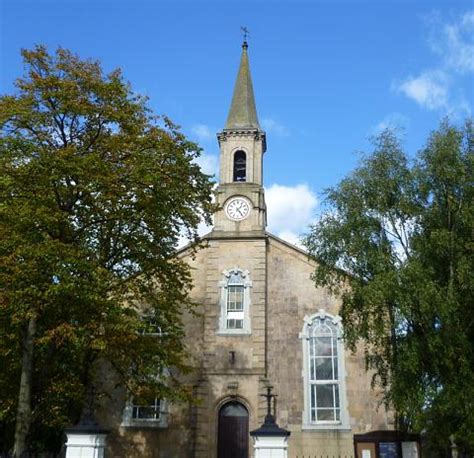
(245, 32)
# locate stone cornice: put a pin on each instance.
(257, 134)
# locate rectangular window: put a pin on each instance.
(147, 412)
(235, 324)
(235, 307)
(234, 303)
(235, 298)
(324, 376)
(325, 402)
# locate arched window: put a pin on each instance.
(235, 302)
(240, 166)
(324, 372)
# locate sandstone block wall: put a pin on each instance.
(282, 294)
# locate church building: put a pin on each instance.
(260, 322)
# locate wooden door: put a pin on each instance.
(233, 431)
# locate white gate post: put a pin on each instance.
(85, 443)
(87, 439)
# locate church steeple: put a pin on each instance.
(240, 194)
(243, 112)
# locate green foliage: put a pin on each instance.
(396, 242)
(95, 193)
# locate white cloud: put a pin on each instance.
(209, 164)
(454, 42)
(292, 237)
(395, 121)
(290, 209)
(274, 127)
(202, 132)
(429, 90)
(441, 87)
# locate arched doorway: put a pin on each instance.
(233, 431)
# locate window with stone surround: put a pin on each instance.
(323, 373)
(152, 413)
(234, 315)
(147, 411)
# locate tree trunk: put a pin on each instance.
(23, 413)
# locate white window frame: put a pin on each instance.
(305, 336)
(151, 329)
(223, 285)
(129, 422)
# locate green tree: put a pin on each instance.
(95, 192)
(396, 242)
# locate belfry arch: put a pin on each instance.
(240, 166)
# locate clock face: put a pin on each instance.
(237, 208)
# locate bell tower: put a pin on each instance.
(240, 195)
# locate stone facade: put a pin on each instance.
(282, 294)
(268, 349)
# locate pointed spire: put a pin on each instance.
(243, 113)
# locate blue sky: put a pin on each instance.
(327, 74)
